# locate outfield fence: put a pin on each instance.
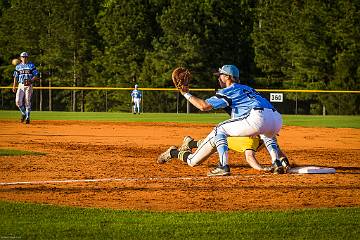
(105, 99)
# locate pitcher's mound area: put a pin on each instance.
(113, 165)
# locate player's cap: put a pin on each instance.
(24, 54)
(136, 85)
(230, 70)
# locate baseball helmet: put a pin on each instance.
(24, 54)
(230, 70)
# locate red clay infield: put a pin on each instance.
(123, 156)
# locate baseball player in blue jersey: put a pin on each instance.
(251, 115)
(136, 96)
(25, 74)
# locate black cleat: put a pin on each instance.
(220, 171)
(277, 167)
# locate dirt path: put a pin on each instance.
(124, 155)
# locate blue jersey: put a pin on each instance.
(25, 71)
(238, 99)
(136, 94)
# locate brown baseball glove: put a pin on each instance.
(181, 78)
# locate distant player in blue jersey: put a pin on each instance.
(251, 115)
(25, 74)
(136, 96)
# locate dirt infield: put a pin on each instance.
(121, 160)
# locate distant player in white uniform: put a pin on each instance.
(136, 96)
(251, 115)
(25, 74)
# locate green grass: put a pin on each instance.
(211, 118)
(14, 152)
(36, 221)
(322, 121)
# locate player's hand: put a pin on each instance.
(266, 169)
(14, 89)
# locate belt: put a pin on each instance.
(261, 109)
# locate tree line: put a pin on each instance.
(116, 43)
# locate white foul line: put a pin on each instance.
(121, 180)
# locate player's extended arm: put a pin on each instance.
(199, 103)
(181, 79)
(250, 158)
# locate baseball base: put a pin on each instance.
(312, 170)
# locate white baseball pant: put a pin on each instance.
(137, 102)
(23, 98)
(266, 122)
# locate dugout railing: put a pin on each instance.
(287, 101)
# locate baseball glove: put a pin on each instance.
(15, 61)
(181, 78)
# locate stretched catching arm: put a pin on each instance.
(199, 103)
(250, 158)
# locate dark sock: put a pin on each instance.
(174, 153)
(182, 155)
(186, 155)
(193, 144)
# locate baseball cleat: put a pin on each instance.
(165, 156)
(277, 167)
(22, 118)
(27, 121)
(285, 163)
(220, 171)
(185, 145)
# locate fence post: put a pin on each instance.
(106, 102)
(296, 104)
(41, 92)
(177, 102)
(50, 96)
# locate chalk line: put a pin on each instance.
(125, 179)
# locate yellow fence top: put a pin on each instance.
(192, 89)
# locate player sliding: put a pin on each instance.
(248, 145)
(251, 115)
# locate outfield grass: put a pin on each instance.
(35, 221)
(212, 118)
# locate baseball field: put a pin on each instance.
(95, 175)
